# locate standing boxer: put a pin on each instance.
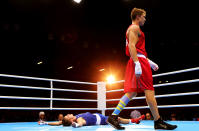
(138, 77)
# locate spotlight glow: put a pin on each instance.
(70, 67)
(77, 1)
(110, 79)
(39, 63)
(101, 69)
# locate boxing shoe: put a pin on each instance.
(160, 124)
(113, 121)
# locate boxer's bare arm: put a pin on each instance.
(133, 39)
(123, 121)
(81, 121)
(55, 123)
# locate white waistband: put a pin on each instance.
(141, 55)
(98, 119)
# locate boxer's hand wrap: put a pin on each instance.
(138, 69)
(153, 65)
(75, 125)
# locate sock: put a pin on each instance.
(123, 102)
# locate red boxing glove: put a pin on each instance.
(137, 120)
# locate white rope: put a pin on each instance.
(74, 108)
(60, 99)
(116, 82)
(42, 88)
(164, 74)
(177, 83)
(161, 96)
(176, 72)
(28, 98)
(114, 90)
(26, 87)
(46, 79)
(40, 98)
(71, 90)
(162, 106)
(166, 84)
(43, 108)
(89, 83)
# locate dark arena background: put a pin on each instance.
(67, 40)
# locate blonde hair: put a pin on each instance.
(137, 12)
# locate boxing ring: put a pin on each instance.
(101, 101)
(143, 126)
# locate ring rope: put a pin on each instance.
(167, 73)
(46, 79)
(44, 108)
(40, 98)
(161, 96)
(161, 106)
(176, 72)
(138, 107)
(177, 83)
(89, 83)
(42, 88)
(166, 84)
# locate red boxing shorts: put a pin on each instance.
(144, 82)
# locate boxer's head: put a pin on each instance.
(68, 119)
(138, 15)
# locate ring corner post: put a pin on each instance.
(51, 95)
(101, 97)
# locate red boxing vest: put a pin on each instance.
(140, 46)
